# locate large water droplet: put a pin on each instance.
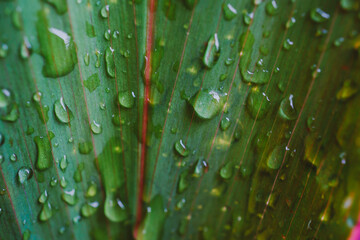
(212, 52)
(114, 208)
(56, 47)
(207, 103)
(275, 158)
(96, 128)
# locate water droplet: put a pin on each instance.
(16, 18)
(26, 235)
(256, 104)
(3, 50)
(181, 148)
(109, 61)
(126, 99)
(348, 89)
(88, 209)
(13, 157)
(96, 128)
(1, 158)
(62, 112)
(77, 174)
(56, 47)
(349, 5)
(63, 163)
(2, 139)
(290, 22)
(114, 208)
(25, 48)
(339, 41)
(85, 147)
(97, 63)
(318, 15)
(24, 174)
(91, 191)
(287, 109)
(104, 12)
(207, 103)
(90, 30)
(288, 44)
(44, 152)
(225, 123)
(8, 107)
(184, 181)
(229, 11)
(43, 197)
(107, 34)
(200, 168)
(70, 197)
(62, 230)
(212, 52)
(275, 158)
(180, 204)
(46, 212)
(248, 17)
(60, 5)
(63, 182)
(87, 59)
(272, 8)
(53, 182)
(227, 170)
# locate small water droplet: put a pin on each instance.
(229, 11)
(96, 128)
(70, 197)
(3, 50)
(126, 99)
(225, 123)
(212, 52)
(62, 112)
(272, 8)
(13, 157)
(227, 170)
(43, 197)
(88, 209)
(104, 12)
(46, 212)
(91, 191)
(181, 148)
(318, 15)
(287, 109)
(288, 44)
(24, 174)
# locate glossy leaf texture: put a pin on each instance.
(179, 119)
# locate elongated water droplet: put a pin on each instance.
(53, 181)
(288, 44)
(24, 174)
(70, 197)
(62, 112)
(26, 234)
(56, 47)
(229, 11)
(184, 181)
(44, 154)
(88, 209)
(97, 63)
(109, 62)
(77, 173)
(63, 163)
(318, 15)
(181, 148)
(212, 52)
(87, 59)
(287, 109)
(8, 107)
(25, 48)
(126, 99)
(207, 103)
(248, 17)
(46, 212)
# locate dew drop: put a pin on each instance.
(44, 152)
(212, 52)
(272, 8)
(256, 104)
(96, 128)
(126, 99)
(207, 103)
(89, 209)
(287, 109)
(46, 212)
(70, 197)
(318, 15)
(24, 174)
(181, 148)
(229, 11)
(109, 61)
(62, 112)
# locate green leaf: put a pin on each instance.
(179, 119)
